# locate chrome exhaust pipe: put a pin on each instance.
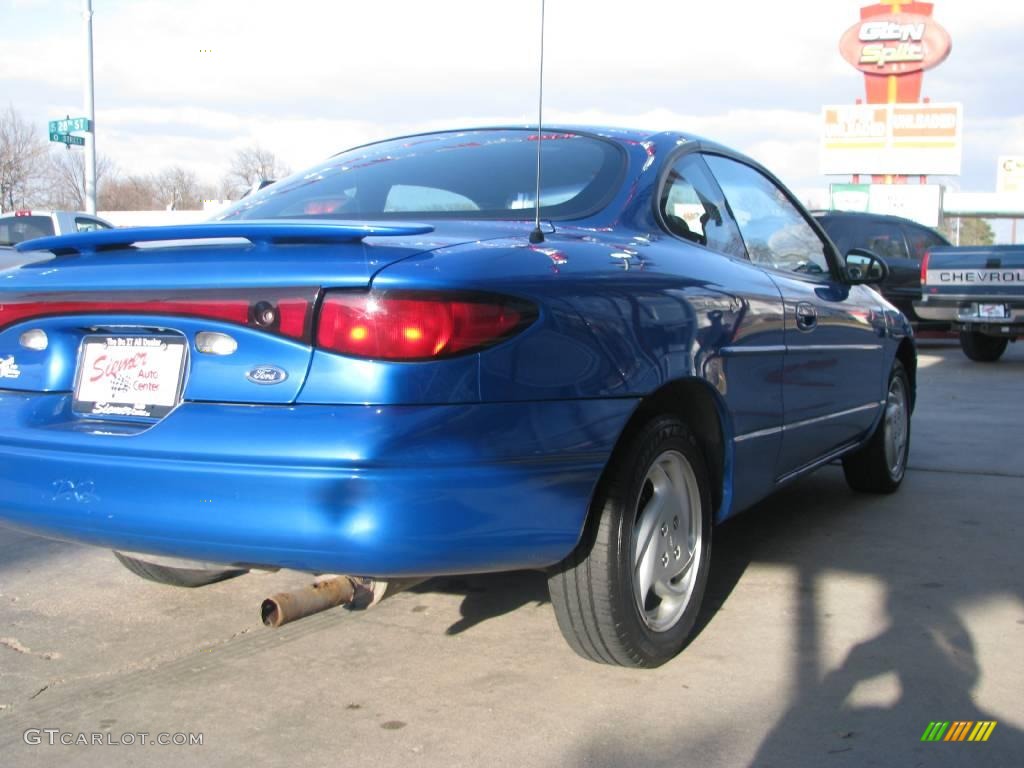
(329, 592)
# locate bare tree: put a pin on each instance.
(250, 165)
(66, 176)
(178, 189)
(129, 193)
(22, 158)
(208, 191)
(175, 188)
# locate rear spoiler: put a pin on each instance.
(256, 232)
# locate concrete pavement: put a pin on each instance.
(836, 627)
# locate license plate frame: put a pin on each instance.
(134, 376)
(992, 311)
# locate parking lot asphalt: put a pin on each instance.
(836, 627)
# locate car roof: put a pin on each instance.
(626, 135)
(665, 140)
(21, 212)
(821, 214)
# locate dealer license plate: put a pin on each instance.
(992, 310)
(139, 376)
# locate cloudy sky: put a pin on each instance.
(188, 82)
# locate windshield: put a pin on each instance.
(488, 174)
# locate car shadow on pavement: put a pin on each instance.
(920, 667)
(17, 548)
(490, 595)
(919, 663)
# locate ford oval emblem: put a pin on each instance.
(266, 374)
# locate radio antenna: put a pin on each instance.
(537, 236)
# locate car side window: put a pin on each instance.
(409, 197)
(776, 233)
(922, 240)
(692, 208)
(83, 224)
(841, 232)
(886, 240)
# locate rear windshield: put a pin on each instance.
(14, 229)
(470, 174)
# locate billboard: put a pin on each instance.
(1010, 174)
(896, 139)
(917, 202)
(849, 197)
(893, 44)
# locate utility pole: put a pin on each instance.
(90, 113)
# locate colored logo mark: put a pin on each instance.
(959, 730)
(266, 374)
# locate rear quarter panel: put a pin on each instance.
(624, 316)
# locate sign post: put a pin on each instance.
(61, 130)
(893, 134)
(90, 113)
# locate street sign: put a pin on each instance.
(70, 125)
(67, 138)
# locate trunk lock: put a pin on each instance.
(213, 343)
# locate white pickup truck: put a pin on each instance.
(17, 226)
(980, 290)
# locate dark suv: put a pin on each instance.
(899, 242)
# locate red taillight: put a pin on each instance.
(287, 312)
(924, 268)
(411, 326)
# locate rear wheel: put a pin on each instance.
(630, 592)
(981, 348)
(176, 572)
(880, 465)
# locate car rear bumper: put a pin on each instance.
(937, 312)
(367, 490)
(969, 312)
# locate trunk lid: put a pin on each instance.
(982, 271)
(150, 316)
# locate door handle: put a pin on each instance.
(806, 316)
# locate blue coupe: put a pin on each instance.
(379, 367)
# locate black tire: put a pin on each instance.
(592, 590)
(874, 468)
(187, 574)
(981, 348)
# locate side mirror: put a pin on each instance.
(865, 268)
